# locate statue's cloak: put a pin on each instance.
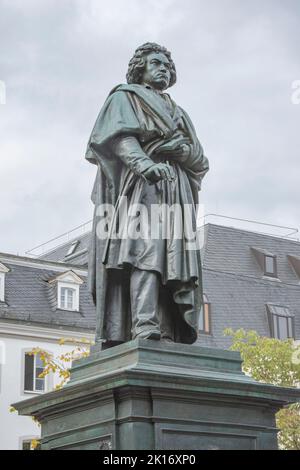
(133, 110)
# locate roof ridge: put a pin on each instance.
(266, 235)
(64, 244)
(40, 261)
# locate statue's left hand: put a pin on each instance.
(160, 171)
(180, 153)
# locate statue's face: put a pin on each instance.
(157, 71)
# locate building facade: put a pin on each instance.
(40, 303)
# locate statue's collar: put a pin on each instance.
(153, 100)
(149, 87)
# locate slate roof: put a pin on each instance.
(233, 281)
(60, 253)
(30, 298)
(236, 286)
(228, 249)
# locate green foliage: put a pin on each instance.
(60, 365)
(288, 421)
(275, 362)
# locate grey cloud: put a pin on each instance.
(236, 61)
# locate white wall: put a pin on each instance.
(13, 341)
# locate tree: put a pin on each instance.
(62, 363)
(275, 362)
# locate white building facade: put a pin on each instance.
(42, 303)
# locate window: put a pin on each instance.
(27, 444)
(281, 321)
(270, 266)
(205, 317)
(32, 370)
(2, 287)
(3, 271)
(67, 298)
(72, 248)
(295, 263)
(267, 262)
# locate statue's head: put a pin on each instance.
(152, 64)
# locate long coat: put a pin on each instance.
(134, 110)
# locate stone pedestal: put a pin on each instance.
(150, 395)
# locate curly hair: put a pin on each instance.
(137, 64)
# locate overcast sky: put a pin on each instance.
(236, 61)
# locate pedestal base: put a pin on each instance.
(150, 395)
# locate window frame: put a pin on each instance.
(289, 327)
(67, 298)
(68, 285)
(266, 272)
(206, 304)
(46, 381)
(72, 248)
(3, 271)
(274, 322)
(2, 287)
(27, 439)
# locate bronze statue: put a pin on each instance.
(147, 152)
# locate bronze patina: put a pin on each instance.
(147, 153)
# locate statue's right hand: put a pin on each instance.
(160, 171)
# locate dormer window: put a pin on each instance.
(72, 248)
(68, 290)
(270, 266)
(68, 298)
(3, 271)
(281, 321)
(295, 262)
(267, 262)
